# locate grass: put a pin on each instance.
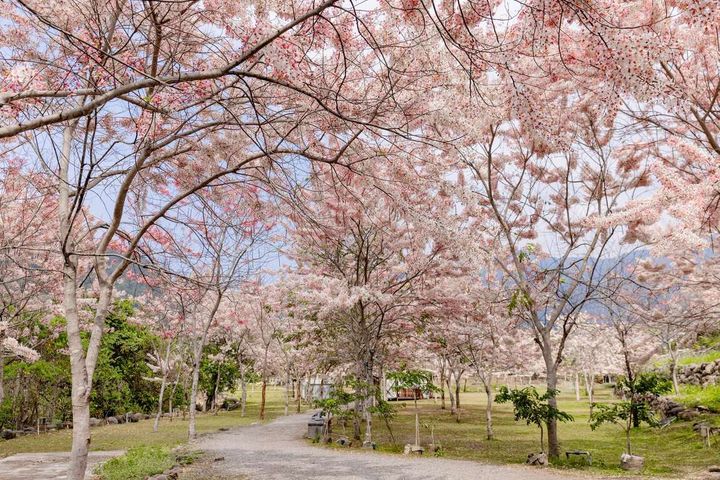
(692, 396)
(675, 450)
(138, 463)
(148, 452)
(696, 359)
(128, 435)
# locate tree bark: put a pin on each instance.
(442, 385)
(192, 433)
(288, 389)
(2, 377)
(488, 410)
(215, 392)
(552, 434)
(577, 386)
(263, 392)
(243, 390)
(160, 403)
(453, 409)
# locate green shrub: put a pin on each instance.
(137, 464)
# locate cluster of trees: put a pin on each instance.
(454, 181)
(128, 376)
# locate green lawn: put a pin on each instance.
(128, 435)
(675, 450)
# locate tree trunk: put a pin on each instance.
(674, 373)
(2, 377)
(263, 393)
(288, 389)
(369, 401)
(160, 403)
(243, 389)
(192, 433)
(215, 392)
(552, 434)
(172, 395)
(299, 395)
(457, 390)
(577, 386)
(488, 410)
(442, 385)
(453, 409)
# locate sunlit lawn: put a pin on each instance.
(675, 450)
(170, 434)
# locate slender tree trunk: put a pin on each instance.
(457, 389)
(172, 395)
(552, 433)
(215, 392)
(264, 383)
(160, 403)
(288, 389)
(417, 419)
(442, 385)
(369, 386)
(192, 433)
(243, 389)
(299, 395)
(627, 439)
(453, 409)
(263, 393)
(2, 377)
(577, 386)
(161, 396)
(673, 372)
(488, 409)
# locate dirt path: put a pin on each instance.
(37, 466)
(277, 451)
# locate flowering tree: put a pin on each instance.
(131, 108)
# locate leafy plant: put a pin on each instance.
(621, 413)
(415, 380)
(532, 407)
(637, 389)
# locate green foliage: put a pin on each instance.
(648, 382)
(120, 383)
(409, 378)
(618, 413)
(533, 407)
(228, 369)
(335, 403)
(138, 463)
(519, 298)
(623, 414)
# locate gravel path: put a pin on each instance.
(277, 451)
(37, 466)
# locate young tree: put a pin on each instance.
(534, 408)
(532, 201)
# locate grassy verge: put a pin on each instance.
(138, 463)
(696, 359)
(692, 396)
(675, 450)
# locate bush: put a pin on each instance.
(137, 464)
